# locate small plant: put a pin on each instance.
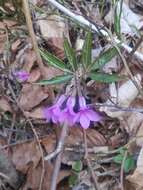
(71, 107)
(74, 177)
(129, 162)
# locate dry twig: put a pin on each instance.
(32, 35)
(94, 177)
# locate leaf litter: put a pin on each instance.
(119, 128)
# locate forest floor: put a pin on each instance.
(90, 52)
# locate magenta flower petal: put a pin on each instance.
(53, 112)
(70, 104)
(93, 116)
(82, 102)
(84, 121)
(66, 117)
(47, 114)
(22, 75)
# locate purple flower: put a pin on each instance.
(21, 75)
(63, 112)
(53, 113)
(86, 114)
(67, 115)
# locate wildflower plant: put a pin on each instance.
(71, 107)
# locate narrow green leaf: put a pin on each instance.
(129, 164)
(77, 166)
(107, 78)
(54, 61)
(104, 58)
(118, 159)
(56, 80)
(86, 51)
(70, 54)
(117, 19)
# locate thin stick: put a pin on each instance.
(88, 162)
(85, 22)
(32, 35)
(59, 156)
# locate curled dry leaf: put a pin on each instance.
(31, 96)
(121, 97)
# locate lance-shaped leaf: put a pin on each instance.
(86, 51)
(54, 61)
(70, 54)
(56, 80)
(104, 58)
(107, 78)
(117, 18)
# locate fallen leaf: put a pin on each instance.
(51, 72)
(5, 105)
(34, 75)
(53, 30)
(37, 113)
(31, 96)
(29, 60)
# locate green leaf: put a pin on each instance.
(117, 19)
(73, 180)
(77, 166)
(70, 54)
(54, 61)
(129, 164)
(104, 58)
(56, 80)
(86, 51)
(118, 159)
(107, 78)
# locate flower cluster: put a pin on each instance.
(71, 110)
(21, 75)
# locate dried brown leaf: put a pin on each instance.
(31, 96)
(5, 105)
(34, 75)
(37, 113)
